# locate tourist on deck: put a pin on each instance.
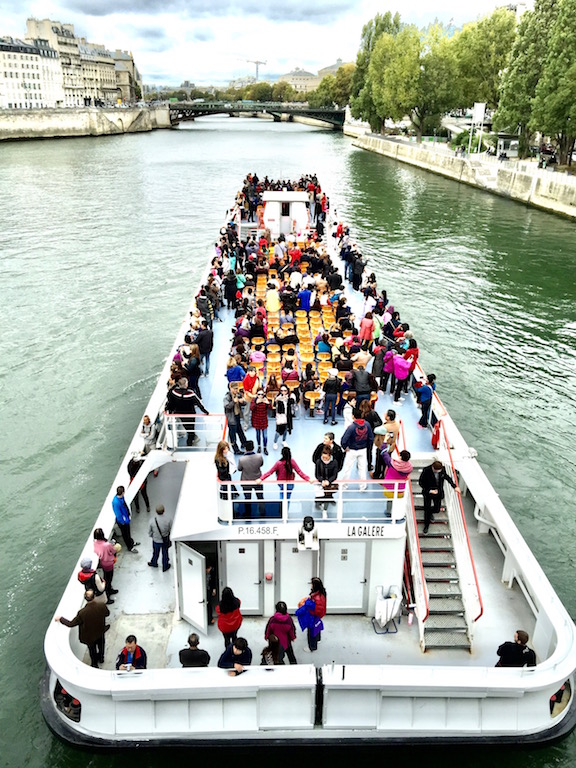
(205, 342)
(272, 299)
(326, 473)
(332, 387)
(412, 353)
(133, 468)
(259, 418)
(159, 531)
(205, 306)
(106, 552)
(284, 404)
(122, 515)
(132, 656)
(366, 329)
(398, 471)
(425, 392)
(149, 433)
(236, 656)
(234, 403)
(316, 612)
(183, 400)
(335, 449)
(362, 383)
(91, 580)
(91, 623)
(286, 470)
(349, 408)
(193, 368)
(517, 653)
(273, 653)
(225, 465)
(371, 416)
(432, 481)
(194, 656)
(250, 466)
(234, 371)
(230, 289)
(251, 386)
(401, 368)
(357, 441)
(229, 616)
(282, 626)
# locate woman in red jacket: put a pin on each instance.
(229, 616)
(259, 410)
(286, 469)
(318, 595)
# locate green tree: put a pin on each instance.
(343, 84)
(283, 91)
(521, 78)
(554, 106)
(483, 51)
(362, 101)
(414, 76)
(259, 92)
(323, 96)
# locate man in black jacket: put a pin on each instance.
(337, 452)
(205, 341)
(432, 484)
(183, 400)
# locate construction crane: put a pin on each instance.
(251, 61)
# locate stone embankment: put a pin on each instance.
(517, 180)
(82, 121)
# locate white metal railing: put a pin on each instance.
(188, 432)
(345, 503)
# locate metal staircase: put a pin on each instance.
(446, 625)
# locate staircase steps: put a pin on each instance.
(436, 558)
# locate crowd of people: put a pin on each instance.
(295, 343)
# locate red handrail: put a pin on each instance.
(413, 508)
(454, 477)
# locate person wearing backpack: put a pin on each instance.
(357, 442)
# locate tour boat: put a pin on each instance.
(408, 650)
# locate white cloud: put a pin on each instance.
(210, 42)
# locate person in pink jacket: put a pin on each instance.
(397, 473)
(286, 470)
(401, 373)
(366, 330)
(106, 552)
(388, 370)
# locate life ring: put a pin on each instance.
(436, 435)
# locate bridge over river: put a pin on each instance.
(182, 111)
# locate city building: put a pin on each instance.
(300, 80)
(30, 75)
(62, 39)
(332, 69)
(128, 78)
(98, 74)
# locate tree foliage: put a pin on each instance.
(554, 106)
(259, 92)
(283, 91)
(323, 96)
(483, 51)
(413, 75)
(343, 84)
(362, 102)
(521, 78)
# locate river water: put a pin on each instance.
(102, 241)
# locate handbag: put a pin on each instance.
(165, 539)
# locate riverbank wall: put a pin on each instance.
(19, 124)
(521, 181)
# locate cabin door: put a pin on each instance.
(294, 570)
(285, 220)
(241, 569)
(343, 571)
(192, 587)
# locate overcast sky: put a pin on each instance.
(209, 41)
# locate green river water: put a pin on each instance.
(102, 241)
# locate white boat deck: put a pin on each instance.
(149, 610)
